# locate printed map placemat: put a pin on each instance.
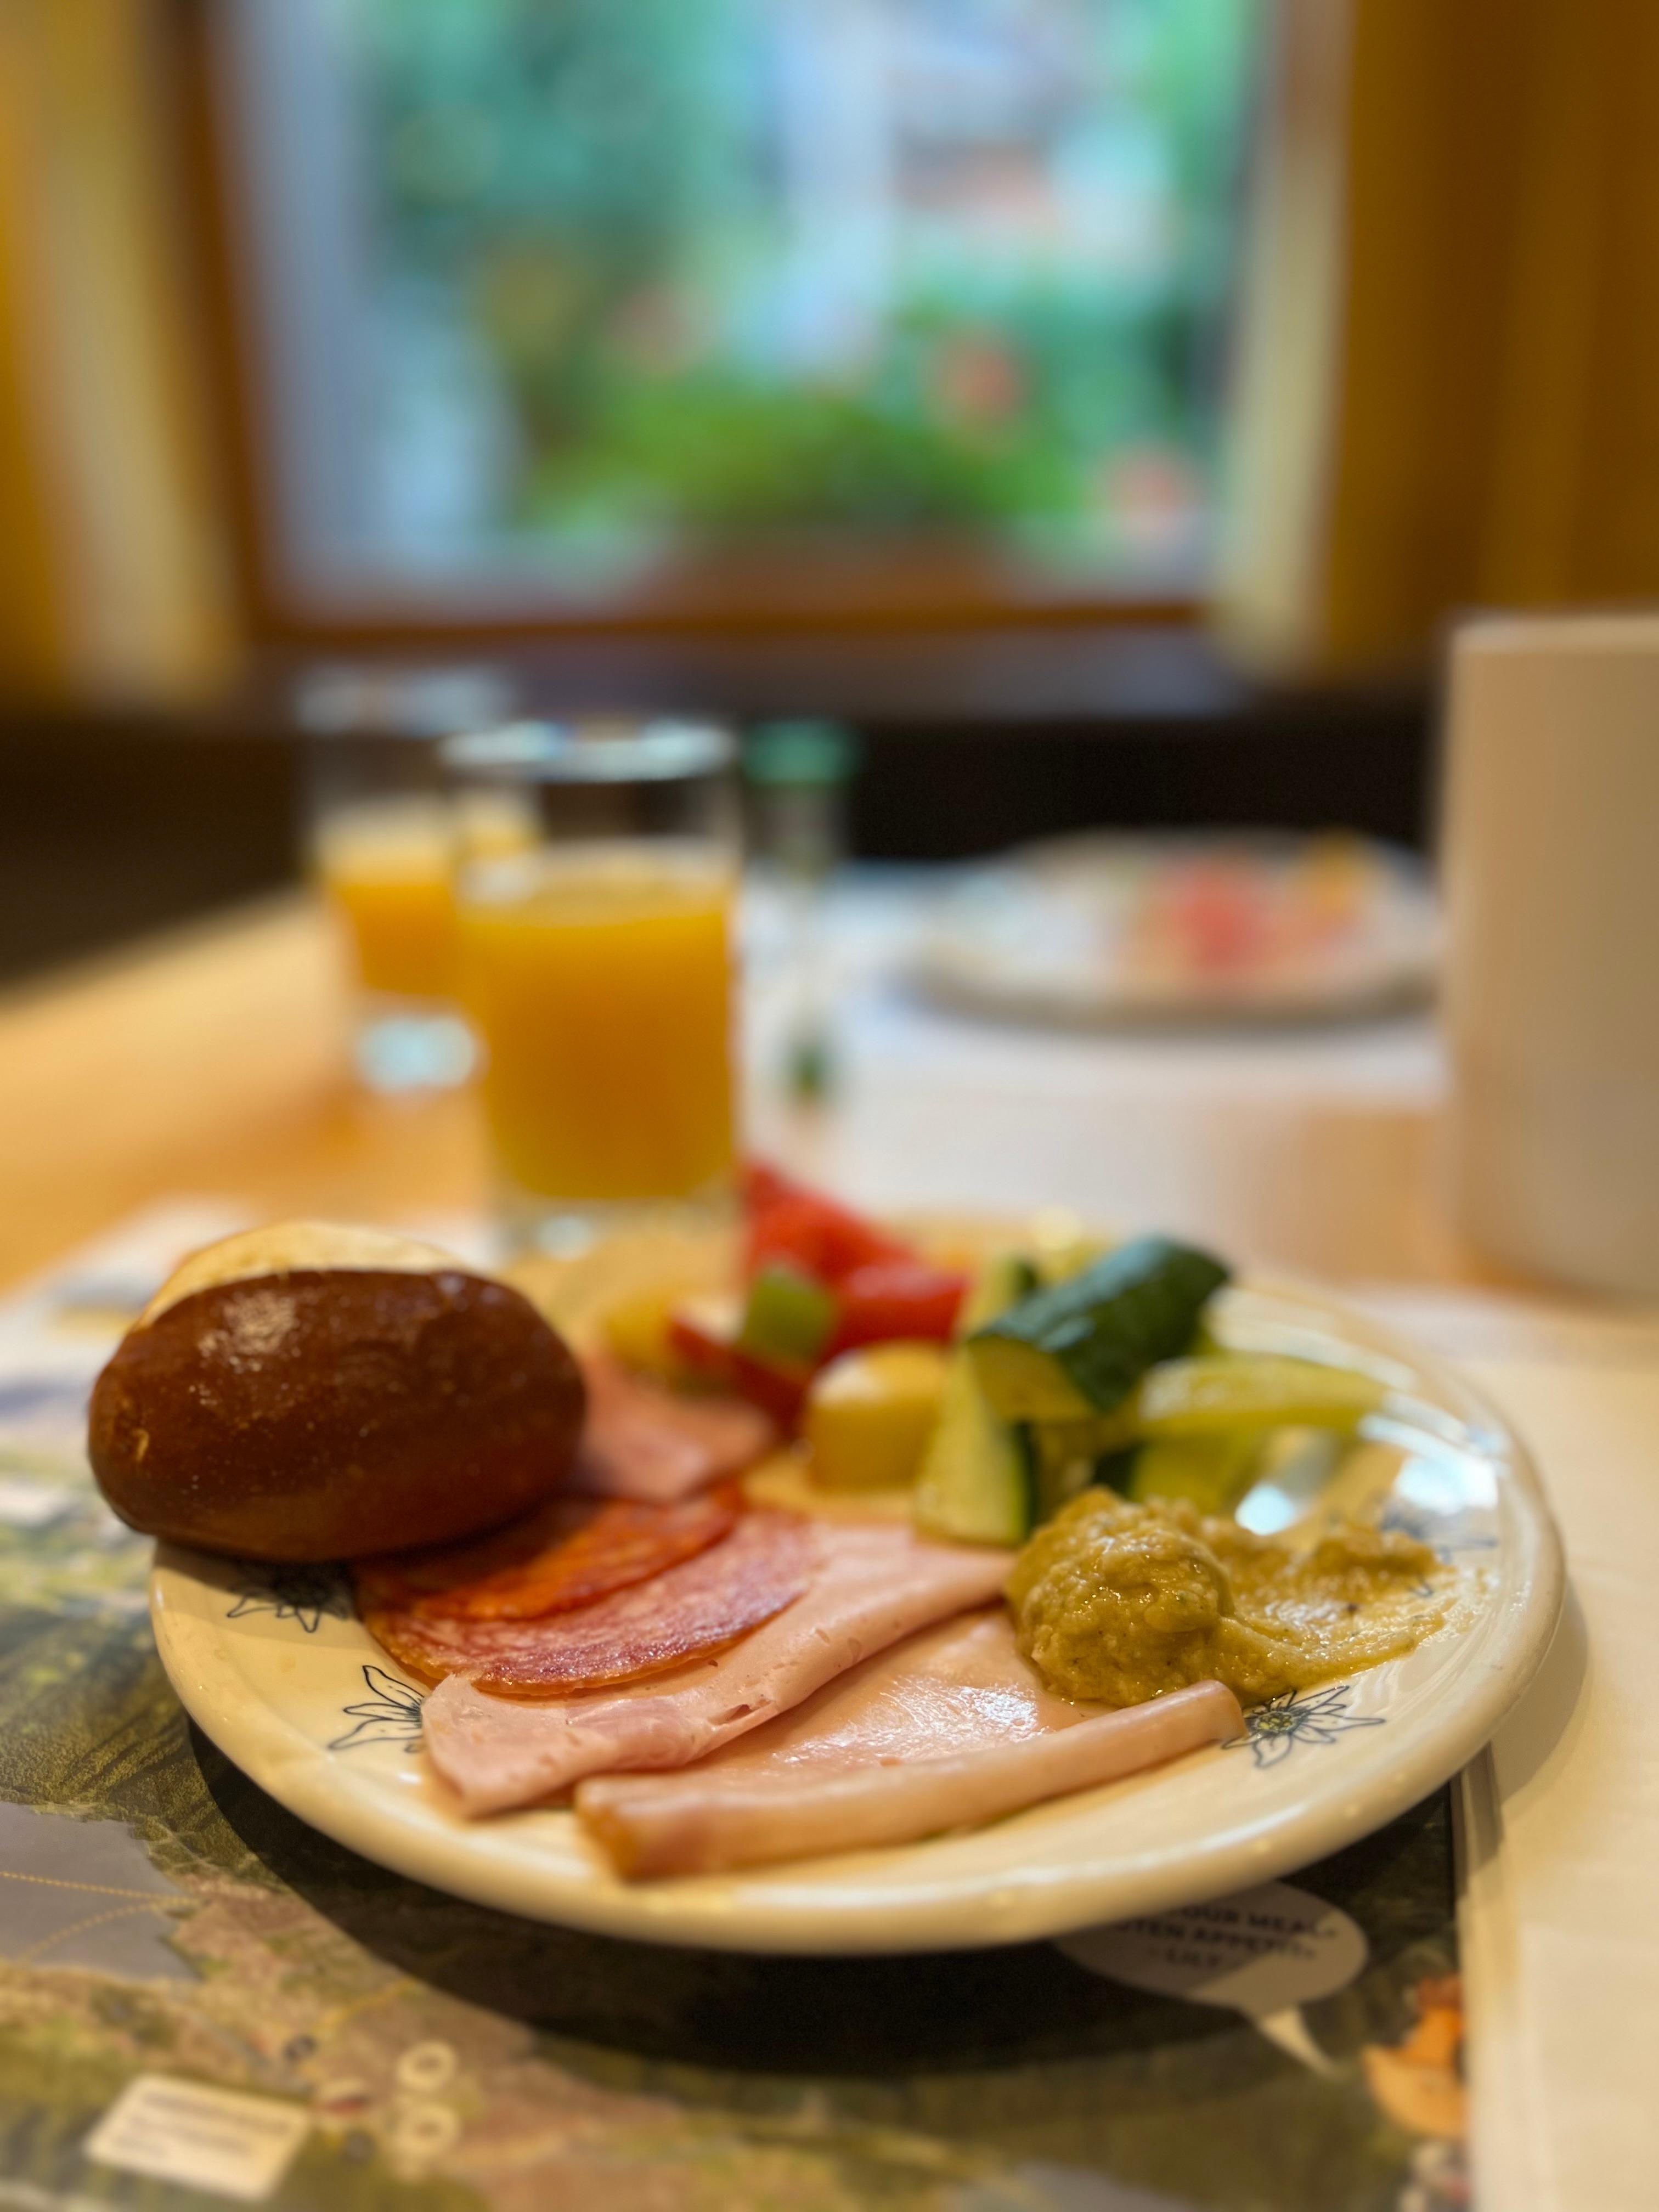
(204, 2001)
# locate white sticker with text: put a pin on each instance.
(1264, 1952)
(205, 2138)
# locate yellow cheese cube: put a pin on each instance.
(870, 1413)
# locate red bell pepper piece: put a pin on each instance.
(788, 1222)
(822, 1240)
(890, 1299)
(764, 1186)
(706, 1340)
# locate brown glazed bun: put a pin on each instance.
(308, 1392)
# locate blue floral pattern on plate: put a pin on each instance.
(1446, 1534)
(390, 1714)
(1274, 1730)
(306, 1593)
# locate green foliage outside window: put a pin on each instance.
(598, 193)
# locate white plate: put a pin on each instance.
(1052, 933)
(274, 1665)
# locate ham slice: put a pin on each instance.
(870, 1586)
(951, 1729)
(698, 1605)
(642, 1441)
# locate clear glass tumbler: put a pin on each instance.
(384, 844)
(595, 953)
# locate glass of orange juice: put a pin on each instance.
(384, 843)
(597, 967)
(386, 866)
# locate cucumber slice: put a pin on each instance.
(1211, 1473)
(1058, 1261)
(1207, 1397)
(1079, 1347)
(1088, 1440)
(1115, 1470)
(1067, 1457)
(974, 1484)
(1002, 1281)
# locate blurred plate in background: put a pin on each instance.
(1115, 928)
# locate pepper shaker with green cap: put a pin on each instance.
(798, 773)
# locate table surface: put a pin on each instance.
(216, 1062)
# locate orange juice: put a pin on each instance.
(389, 871)
(601, 983)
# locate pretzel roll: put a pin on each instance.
(306, 1391)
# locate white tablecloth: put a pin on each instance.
(934, 1110)
(1559, 1910)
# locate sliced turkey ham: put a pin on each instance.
(950, 1728)
(869, 1587)
(643, 1442)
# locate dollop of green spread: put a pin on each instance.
(1114, 1602)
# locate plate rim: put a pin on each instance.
(1000, 1909)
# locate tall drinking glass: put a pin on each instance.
(383, 845)
(597, 965)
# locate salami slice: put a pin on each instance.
(642, 1441)
(700, 1606)
(568, 1552)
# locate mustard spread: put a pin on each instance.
(1115, 1603)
